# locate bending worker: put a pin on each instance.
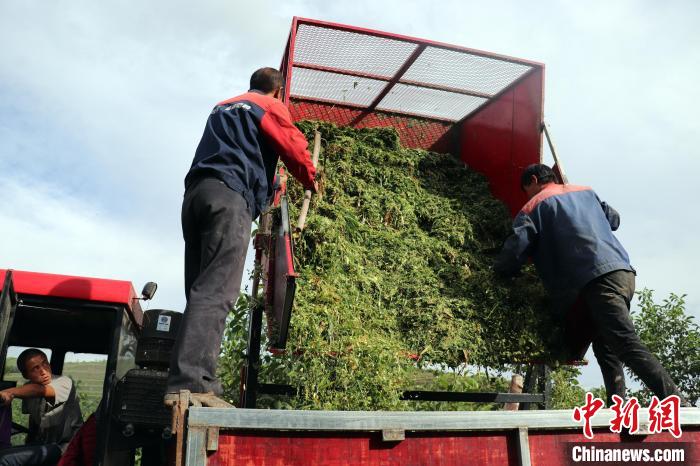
(226, 188)
(568, 232)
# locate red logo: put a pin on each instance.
(663, 415)
(626, 415)
(586, 412)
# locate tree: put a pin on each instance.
(674, 337)
(567, 391)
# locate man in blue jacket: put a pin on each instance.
(226, 188)
(568, 232)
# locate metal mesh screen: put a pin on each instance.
(404, 98)
(336, 87)
(464, 71)
(350, 51)
(372, 70)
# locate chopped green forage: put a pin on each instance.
(395, 274)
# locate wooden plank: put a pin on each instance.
(179, 427)
(559, 169)
(516, 386)
(307, 194)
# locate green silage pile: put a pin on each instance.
(395, 274)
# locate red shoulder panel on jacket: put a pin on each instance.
(262, 100)
(549, 191)
(289, 143)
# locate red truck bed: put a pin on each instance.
(492, 438)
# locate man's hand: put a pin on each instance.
(6, 398)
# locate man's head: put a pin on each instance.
(535, 178)
(268, 81)
(34, 366)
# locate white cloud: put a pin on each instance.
(46, 230)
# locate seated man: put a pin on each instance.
(54, 412)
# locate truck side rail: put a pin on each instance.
(265, 419)
(204, 423)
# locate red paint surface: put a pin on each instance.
(416, 133)
(82, 288)
(488, 449)
(296, 449)
(548, 448)
(504, 137)
(528, 114)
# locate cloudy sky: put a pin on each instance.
(103, 103)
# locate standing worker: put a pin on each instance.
(567, 230)
(227, 187)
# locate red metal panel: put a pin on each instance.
(547, 448)
(486, 142)
(417, 133)
(302, 449)
(527, 121)
(66, 286)
(503, 137)
(445, 449)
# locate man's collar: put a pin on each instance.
(256, 91)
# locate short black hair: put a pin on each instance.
(266, 80)
(543, 173)
(25, 356)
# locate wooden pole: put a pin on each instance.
(307, 194)
(557, 163)
(516, 386)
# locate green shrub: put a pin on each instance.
(674, 337)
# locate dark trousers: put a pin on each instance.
(616, 342)
(216, 226)
(48, 454)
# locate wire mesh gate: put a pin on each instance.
(366, 78)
